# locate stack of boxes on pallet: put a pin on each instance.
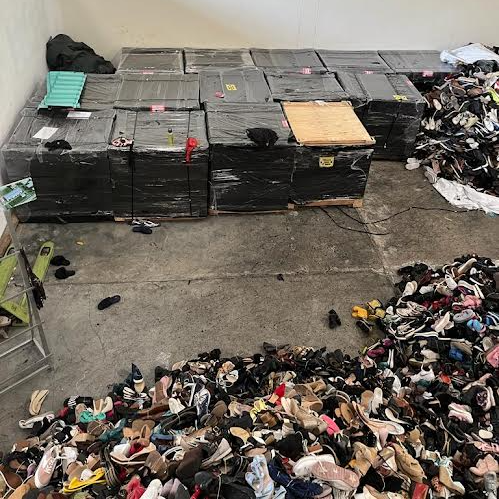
(182, 132)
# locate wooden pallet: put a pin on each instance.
(223, 212)
(158, 219)
(353, 203)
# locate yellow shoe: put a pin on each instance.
(359, 312)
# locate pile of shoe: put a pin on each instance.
(414, 416)
(460, 130)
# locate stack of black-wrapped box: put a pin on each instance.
(301, 87)
(151, 60)
(246, 175)
(278, 61)
(67, 159)
(161, 170)
(423, 67)
(354, 61)
(198, 59)
(158, 92)
(233, 85)
(390, 108)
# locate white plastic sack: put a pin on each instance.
(469, 54)
(464, 196)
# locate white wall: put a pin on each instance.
(344, 24)
(24, 30)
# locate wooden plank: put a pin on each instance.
(5, 238)
(326, 124)
(158, 219)
(223, 212)
(354, 203)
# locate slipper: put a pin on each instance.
(37, 399)
(76, 484)
(27, 424)
(60, 261)
(64, 273)
(107, 302)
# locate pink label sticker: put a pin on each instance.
(219, 94)
(147, 72)
(157, 109)
(367, 72)
(306, 71)
(427, 74)
(285, 123)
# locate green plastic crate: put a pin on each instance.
(63, 89)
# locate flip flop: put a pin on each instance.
(77, 484)
(37, 399)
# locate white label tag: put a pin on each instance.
(79, 115)
(45, 133)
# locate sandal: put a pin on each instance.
(37, 399)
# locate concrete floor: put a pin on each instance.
(194, 286)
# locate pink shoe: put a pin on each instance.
(46, 468)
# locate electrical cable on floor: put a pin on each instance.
(400, 213)
(352, 229)
(382, 219)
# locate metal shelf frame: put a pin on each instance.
(33, 333)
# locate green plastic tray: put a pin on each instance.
(63, 89)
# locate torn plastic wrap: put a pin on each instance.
(198, 59)
(275, 61)
(243, 176)
(151, 60)
(354, 61)
(233, 85)
(390, 108)
(297, 87)
(423, 67)
(151, 177)
(158, 92)
(325, 173)
(70, 184)
(99, 93)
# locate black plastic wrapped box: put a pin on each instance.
(151, 60)
(243, 176)
(70, 184)
(354, 61)
(158, 92)
(233, 85)
(325, 173)
(99, 93)
(152, 177)
(298, 87)
(198, 59)
(276, 61)
(334, 155)
(423, 67)
(391, 109)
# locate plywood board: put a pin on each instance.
(326, 124)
